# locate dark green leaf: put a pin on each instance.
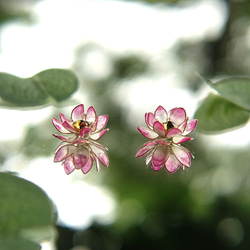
(235, 89)
(50, 84)
(216, 114)
(23, 205)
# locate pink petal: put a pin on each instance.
(101, 122)
(177, 116)
(172, 132)
(60, 146)
(77, 112)
(68, 126)
(80, 141)
(85, 131)
(80, 158)
(101, 155)
(85, 169)
(63, 118)
(182, 155)
(180, 139)
(161, 114)
(91, 115)
(172, 164)
(160, 155)
(159, 129)
(143, 151)
(183, 126)
(98, 145)
(156, 168)
(59, 126)
(150, 120)
(63, 152)
(63, 138)
(148, 159)
(151, 143)
(188, 152)
(94, 125)
(97, 136)
(68, 165)
(97, 162)
(150, 134)
(190, 126)
(162, 142)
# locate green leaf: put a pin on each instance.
(216, 114)
(48, 85)
(234, 89)
(23, 205)
(21, 92)
(18, 244)
(58, 83)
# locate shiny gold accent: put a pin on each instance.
(165, 125)
(79, 125)
(168, 125)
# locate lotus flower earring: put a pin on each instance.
(166, 132)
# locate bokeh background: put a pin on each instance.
(130, 57)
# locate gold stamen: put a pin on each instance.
(79, 125)
(168, 125)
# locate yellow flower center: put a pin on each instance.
(168, 125)
(79, 125)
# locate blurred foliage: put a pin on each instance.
(229, 54)
(42, 88)
(25, 213)
(161, 1)
(12, 10)
(20, 244)
(115, 67)
(38, 140)
(129, 66)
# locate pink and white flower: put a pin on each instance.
(80, 149)
(167, 130)
(163, 124)
(84, 125)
